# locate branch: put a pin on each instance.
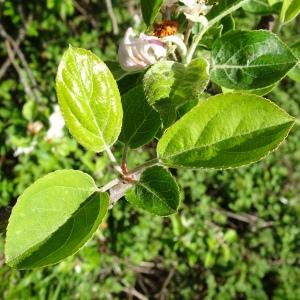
(32, 91)
(86, 15)
(117, 192)
(7, 63)
(166, 283)
(113, 160)
(116, 188)
(133, 292)
(245, 218)
(23, 60)
(22, 77)
(138, 170)
(112, 16)
(109, 186)
(5, 66)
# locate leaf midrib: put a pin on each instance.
(90, 191)
(88, 102)
(249, 66)
(155, 194)
(139, 127)
(35, 247)
(224, 140)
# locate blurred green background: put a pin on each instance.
(237, 234)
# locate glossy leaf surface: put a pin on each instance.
(259, 92)
(150, 9)
(141, 121)
(248, 60)
(290, 10)
(225, 131)
(53, 218)
(295, 72)
(89, 99)
(156, 192)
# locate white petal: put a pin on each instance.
(136, 53)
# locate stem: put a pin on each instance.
(177, 41)
(110, 185)
(188, 32)
(142, 167)
(113, 160)
(226, 12)
(194, 45)
(211, 23)
(277, 25)
(117, 187)
(124, 157)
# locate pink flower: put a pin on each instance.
(138, 52)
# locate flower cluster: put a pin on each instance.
(137, 52)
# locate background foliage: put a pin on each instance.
(237, 234)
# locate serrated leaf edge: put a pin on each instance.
(242, 165)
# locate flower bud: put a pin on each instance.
(195, 11)
(136, 53)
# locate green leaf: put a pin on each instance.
(259, 92)
(290, 10)
(275, 2)
(128, 82)
(223, 8)
(169, 85)
(29, 110)
(259, 7)
(89, 99)
(295, 72)
(176, 82)
(150, 9)
(225, 131)
(249, 60)
(141, 122)
(156, 192)
(228, 24)
(188, 106)
(116, 69)
(167, 112)
(158, 82)
(53, 219)
(211, 35)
